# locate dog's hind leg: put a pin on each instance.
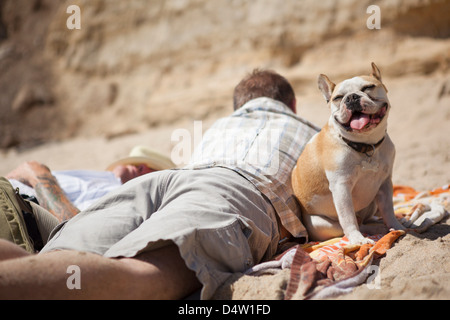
(321, 228)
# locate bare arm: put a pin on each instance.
(48, 192)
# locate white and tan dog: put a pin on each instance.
(343, 176)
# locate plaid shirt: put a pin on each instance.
(262, 142)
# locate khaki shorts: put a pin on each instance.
(219, 220)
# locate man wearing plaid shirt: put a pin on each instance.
(169, 233)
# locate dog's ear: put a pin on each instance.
(325, 86)
(376, 72)
(377, 75)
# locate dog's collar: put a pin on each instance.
(367, 149)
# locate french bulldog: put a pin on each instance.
(342, 179)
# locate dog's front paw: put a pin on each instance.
(357, 238)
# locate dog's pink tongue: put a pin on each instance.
(359, 121)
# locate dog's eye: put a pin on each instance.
(365, 88)
(338, 98)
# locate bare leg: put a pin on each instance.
(159, 274)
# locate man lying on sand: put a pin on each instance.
(167, 234)
(65, 193)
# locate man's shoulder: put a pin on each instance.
(271, 110)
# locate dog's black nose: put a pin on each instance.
(353, 102)
(352, 98)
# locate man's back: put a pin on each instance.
(262, 141)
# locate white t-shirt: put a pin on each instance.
(82, 187)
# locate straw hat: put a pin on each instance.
(144, 155)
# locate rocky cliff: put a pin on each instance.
(138, 64)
